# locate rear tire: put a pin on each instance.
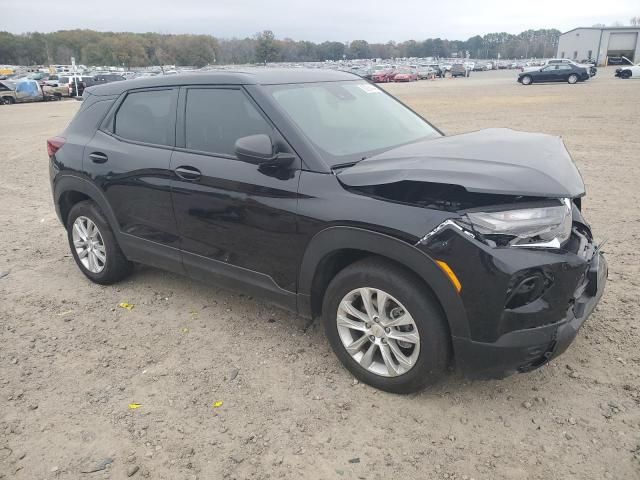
(408, 293)
(573, 78)
(115, 266)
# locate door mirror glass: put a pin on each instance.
(255, 149)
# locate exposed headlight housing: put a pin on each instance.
(545, 226)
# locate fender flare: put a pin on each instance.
(67, 183)
(337, 238)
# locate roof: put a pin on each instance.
(601, 28)
(249, 76)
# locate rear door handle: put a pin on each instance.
(188, 173)
(98, 157)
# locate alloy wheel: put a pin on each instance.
(378, 332)
(89, 245)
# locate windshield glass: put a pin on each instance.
(350, 120)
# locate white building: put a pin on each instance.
(600, 43)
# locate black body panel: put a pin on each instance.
(497, 161)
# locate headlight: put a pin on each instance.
(547, 226)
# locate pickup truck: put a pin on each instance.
(22, 91)
(64, 86)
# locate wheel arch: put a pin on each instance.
(70, 189)
(334, 248)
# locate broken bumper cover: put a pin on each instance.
(525, 350)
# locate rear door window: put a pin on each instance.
(148, 117)
(217, 117)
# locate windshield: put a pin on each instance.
(350, 120)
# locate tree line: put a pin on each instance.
(126, 49)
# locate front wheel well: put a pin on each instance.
(328, 268)
(338, 260)
(67, 200)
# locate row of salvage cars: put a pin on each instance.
(51, 87)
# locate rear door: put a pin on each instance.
(236, 220)
(563, 72)
(128, 158)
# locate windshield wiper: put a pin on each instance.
(340, 166)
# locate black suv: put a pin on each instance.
(418, 250)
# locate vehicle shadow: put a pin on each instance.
(282, 322)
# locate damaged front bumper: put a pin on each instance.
(526, 350)
(507, 336)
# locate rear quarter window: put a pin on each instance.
(92, 110)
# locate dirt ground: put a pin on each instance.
(72, 361)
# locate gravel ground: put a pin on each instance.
(230, 387)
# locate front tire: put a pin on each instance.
(385, 326)
(527, 80)
(573, 78)
(94, 246)
(625, 74)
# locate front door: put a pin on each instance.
(547, 74)
(236, 220)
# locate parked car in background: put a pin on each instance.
(72, 83)
(418, 251)
(631, 71)
(591, 69)
(622, 60)
(439, 71)
(383, 76)
(425, 73)
(459, 70)
(38, 76)
(24, 90)
(64, 86)
(564, 72)
(405, 75)
(101, 78)
(7, 92)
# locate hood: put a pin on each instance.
(496, 161)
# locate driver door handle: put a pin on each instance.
(98, 157)
(188, 173)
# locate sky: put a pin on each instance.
(336, 20)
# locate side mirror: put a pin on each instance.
(254, 149)
(259, 150)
